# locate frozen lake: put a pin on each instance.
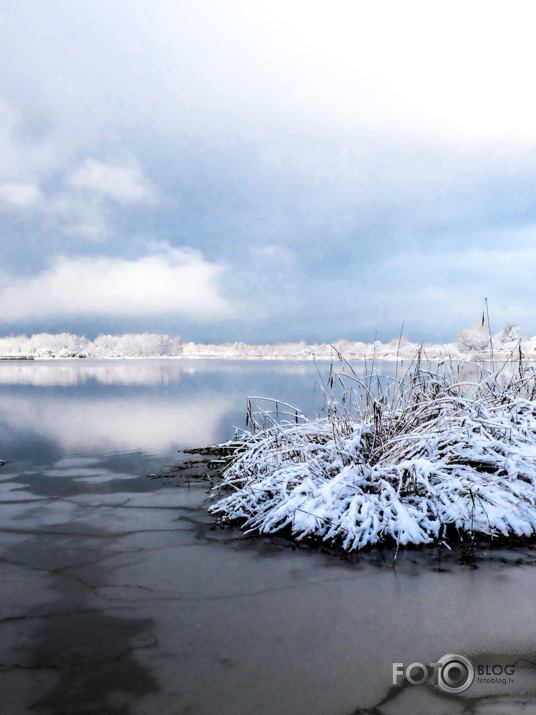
(117, 596)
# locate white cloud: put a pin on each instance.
(172, 281)
(125, 184)
(21, 194)
(462, 68)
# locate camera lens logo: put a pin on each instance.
(455, 673)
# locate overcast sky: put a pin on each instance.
(262, 171)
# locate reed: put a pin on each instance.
(446, 450)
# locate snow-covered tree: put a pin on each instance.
(509, 334)
(473, 339)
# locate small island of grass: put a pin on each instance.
(439, 454)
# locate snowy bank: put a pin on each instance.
(415, 459)
(471, 344)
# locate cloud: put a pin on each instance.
(462, 70)
(21, 194)
(306, 144)
(172, 281)
(124, 184)
(77, 216)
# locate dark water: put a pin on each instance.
(117, 596)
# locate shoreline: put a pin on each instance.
(312, 357)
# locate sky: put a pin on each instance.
(267, 171)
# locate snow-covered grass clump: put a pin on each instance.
(415, 459)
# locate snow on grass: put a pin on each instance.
(404, 459)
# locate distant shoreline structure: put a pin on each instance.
(469, 345)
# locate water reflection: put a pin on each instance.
(118, 596)
(152, 406)
(146, 371)
(110, 424)
(56, 373)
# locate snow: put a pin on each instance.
(66, 345)
(429, 452)
(471, 344)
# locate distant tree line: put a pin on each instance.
(67, 345)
